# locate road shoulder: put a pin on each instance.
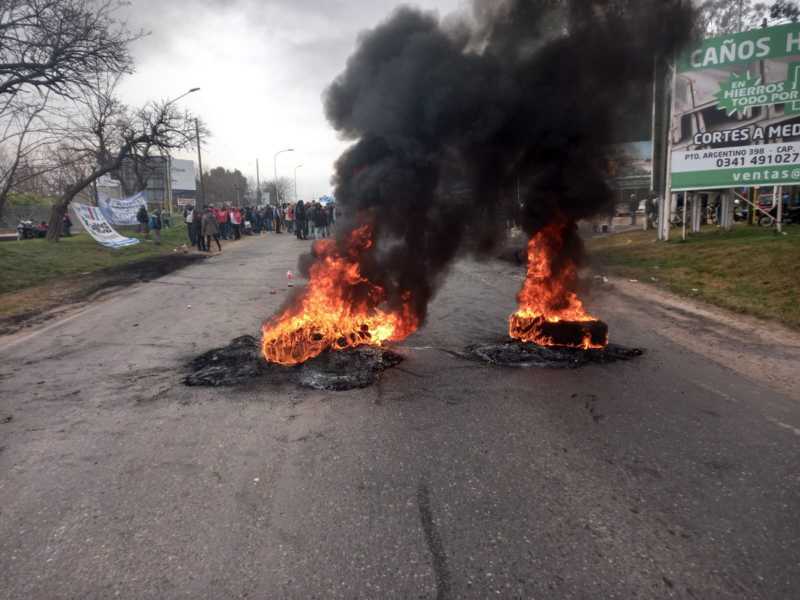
(763, 351)
(35, 305)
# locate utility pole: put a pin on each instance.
(741, 16)
(275, 167)
(258, 186)
(295, 182)
(200, 197)
(169, 183)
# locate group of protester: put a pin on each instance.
(309, 220)
(230, 223)
(152, 221)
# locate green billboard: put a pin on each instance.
(736, 111)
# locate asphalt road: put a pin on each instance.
(673, 476)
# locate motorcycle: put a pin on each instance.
(789, 215)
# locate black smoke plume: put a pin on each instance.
(450, 118)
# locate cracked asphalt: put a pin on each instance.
(672, 476)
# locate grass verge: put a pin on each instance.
(40, 278)
(750, 270)
(33, 262)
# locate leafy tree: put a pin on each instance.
(718, 17)
(785, 10)
(221, 186)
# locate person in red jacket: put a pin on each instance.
(223, 222)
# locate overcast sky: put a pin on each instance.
(262, 67)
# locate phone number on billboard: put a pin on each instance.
(768, 159)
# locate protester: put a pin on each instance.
(235, 219)
(188, 217)
(311, 219)
(289, 218)
(300, 220)
(331, 210)
(251, 217)
(197, 230)
(67, 225)
(211, 228)
(319, 219)
(247, 221)
(222, 221)
(278, 216)
(143, 219)
(155, 225)
(269, 217)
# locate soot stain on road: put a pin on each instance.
(240, 362)
(514, 353)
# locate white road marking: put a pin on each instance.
(714, 390)
(794, 430)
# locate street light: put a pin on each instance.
(197, 89)
(169, 158)
(275, 166)
(295, 181)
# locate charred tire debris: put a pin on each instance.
(514, 353)
(241, 362)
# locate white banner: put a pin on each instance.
(122, 211)
(95, 223)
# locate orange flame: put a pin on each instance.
(339, 309)
(547, 295)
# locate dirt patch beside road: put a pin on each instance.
(40, 303)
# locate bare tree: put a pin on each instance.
(104, 132)
(285, 190)
(24, 134)
(60, 45)
(50, 49)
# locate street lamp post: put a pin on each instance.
(258, 186)
(168, 190)
(200, 198)
(295, 181)
(275, 166)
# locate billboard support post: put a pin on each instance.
(725, 211)
(697, 212)
(779, 209)
(665, 206)
(683, 225)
